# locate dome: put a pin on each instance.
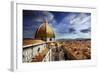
(45, 31)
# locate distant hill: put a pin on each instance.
(73, 39)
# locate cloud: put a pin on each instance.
(72, 30)
(85, 30)
(41, 15)
(33, 19)
(27, 34)
(68, 25)
(75, 24)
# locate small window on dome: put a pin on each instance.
(50, 39)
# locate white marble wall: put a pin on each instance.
(31, 52)
(27, 55)
(38, 49)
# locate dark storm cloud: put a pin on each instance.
(72, 30)
(85, 30)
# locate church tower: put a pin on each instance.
(45, 32)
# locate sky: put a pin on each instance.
(66, 25)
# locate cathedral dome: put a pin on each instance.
(45, 31)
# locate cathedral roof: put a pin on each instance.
(32, 42)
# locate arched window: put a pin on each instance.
(38, 49)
